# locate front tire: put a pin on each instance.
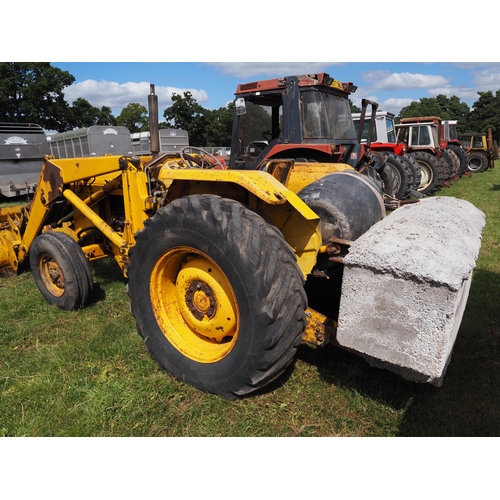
(61, 270)
(217, 295)
(477, 162)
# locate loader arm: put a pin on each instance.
(69, 188)
(58, 180)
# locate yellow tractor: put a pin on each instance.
(219, 260)
(482, 150)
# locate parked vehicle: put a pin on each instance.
(224, 265)
(383, 140)
(22, 148)
(171, 141)
(482, 150)
(97, 140)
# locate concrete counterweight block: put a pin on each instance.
(405, 287)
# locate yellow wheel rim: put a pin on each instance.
(194, 304)
(51, 275)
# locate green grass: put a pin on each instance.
(87, 373)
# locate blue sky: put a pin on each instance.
(392, 56)
(391, 84)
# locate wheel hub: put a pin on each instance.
(52, 275)
(194, 304)
(203, 299)
(200, 300)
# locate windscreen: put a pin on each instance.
(326, 117)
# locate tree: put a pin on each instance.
(485, 114)
(106, 117)
(427, 106)
(219, 126)
(83, 114)
(354, 108)
(33, 93)
(135, 117)
(186, 114)
(446, 108)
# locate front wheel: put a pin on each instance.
(61, 270)
(217, 295)
(477, 162)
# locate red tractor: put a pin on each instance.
(438, 166)
(306, 119)
(382, 139)
(448, 139)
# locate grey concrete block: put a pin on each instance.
(405, 287)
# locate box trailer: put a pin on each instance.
(97, 140)
(171, 141)
(22, 148)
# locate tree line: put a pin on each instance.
(34, 93)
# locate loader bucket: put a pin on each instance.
(405, 287)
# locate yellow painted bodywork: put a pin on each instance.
(87, 187)
(90, 189)
(304, 173)
(320, 330)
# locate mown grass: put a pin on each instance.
(87, 373)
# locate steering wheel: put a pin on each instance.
(199, 158)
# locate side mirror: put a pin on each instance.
(240, 106)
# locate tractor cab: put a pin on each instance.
(306, 118)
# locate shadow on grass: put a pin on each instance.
(468, 402)
(495, 187)
(105, 271)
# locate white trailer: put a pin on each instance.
(171, 141)
(22, 148)
(97, 140)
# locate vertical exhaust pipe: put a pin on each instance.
(154, 131)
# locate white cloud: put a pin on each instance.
(271, 69)
(383, 80)
(463, 93)
(394, 105)
(488, 79)
(116, 96)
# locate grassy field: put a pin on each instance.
(87, 373)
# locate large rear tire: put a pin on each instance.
(462, 156)
(217, 295)
(432, 173)
(446, 162)
(477, 162)
(61, 271)
(396, 168)
(456, 163)
(415, 170)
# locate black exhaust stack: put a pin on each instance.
(154, 131)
